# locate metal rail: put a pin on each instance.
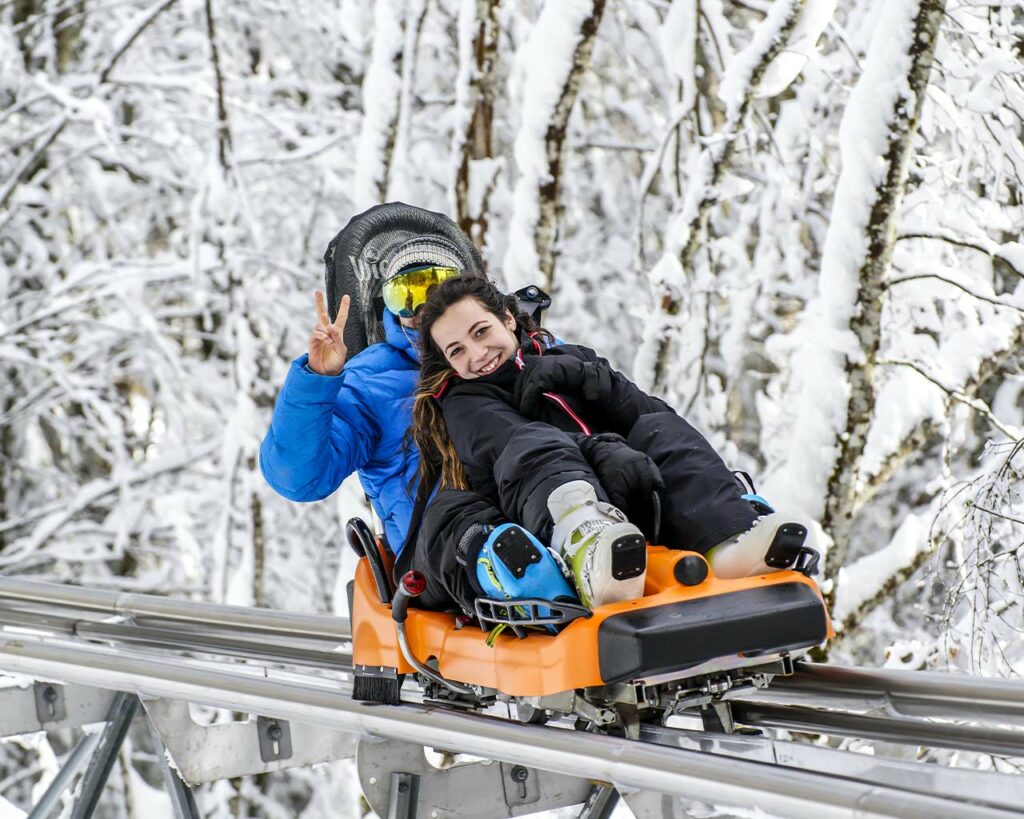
(214, 644)
(989, 787)
(130, 605)
(726, 781)
(188, 637)
(883, 705)
(309, 639)
(983, 739)
(899, 693)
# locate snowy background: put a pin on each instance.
(799, 222)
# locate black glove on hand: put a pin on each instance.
(587, 380)
(631, 479)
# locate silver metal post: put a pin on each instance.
(120, 718)
(181, 794)
(404, 796)
(76, 759)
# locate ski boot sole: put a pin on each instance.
(787, 550)
(516, 551)
(629, 557)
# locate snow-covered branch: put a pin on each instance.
(31, 162)
(551, 66)
(959, 396)
(961, 287)
(740, 86)
(1012, 253)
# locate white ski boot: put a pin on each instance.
(606, 553)
(775, 542)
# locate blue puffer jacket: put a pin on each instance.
(325, 428)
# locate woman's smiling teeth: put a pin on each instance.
(490, 366)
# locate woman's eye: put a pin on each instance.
(456, 352)
(481, 331)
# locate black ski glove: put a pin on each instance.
(630, 478)
(587, 380)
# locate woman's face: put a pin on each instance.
(474, 341)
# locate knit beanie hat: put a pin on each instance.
(423, 250)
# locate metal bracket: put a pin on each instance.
(49, 705)
(475, 790)
(601, 803)
(97, 752)
(49, 702)
(227, 750)
(403, 796)
(275, 737)
(652, 805)
(717, 718)
(520, 787)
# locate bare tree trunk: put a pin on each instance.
(8, 458)
(397, 184)
(546, 231)
(245, 512)
(259, 544)
(478, 141)
(67, 33)
(223, 127)
(545, 117)
(866, 323)
(21, 11)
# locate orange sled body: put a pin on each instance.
(673, 632)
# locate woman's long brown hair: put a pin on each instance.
(438, 458)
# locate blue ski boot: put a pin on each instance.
(513, 564)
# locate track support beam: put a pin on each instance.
(231, 749)
(400, 783)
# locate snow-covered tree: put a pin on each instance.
(797, 220)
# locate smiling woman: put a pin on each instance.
(576, 453)
(474, 341)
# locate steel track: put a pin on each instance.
(898, 693)
(887, 705)
(674, 771)
(63, 625)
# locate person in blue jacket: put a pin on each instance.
(331, 420)
(346, 405)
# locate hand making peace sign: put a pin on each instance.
(327, 350)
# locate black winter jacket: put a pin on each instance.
(516, 460)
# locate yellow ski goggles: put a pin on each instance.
(406, 292)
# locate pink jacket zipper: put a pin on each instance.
(552, 396)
